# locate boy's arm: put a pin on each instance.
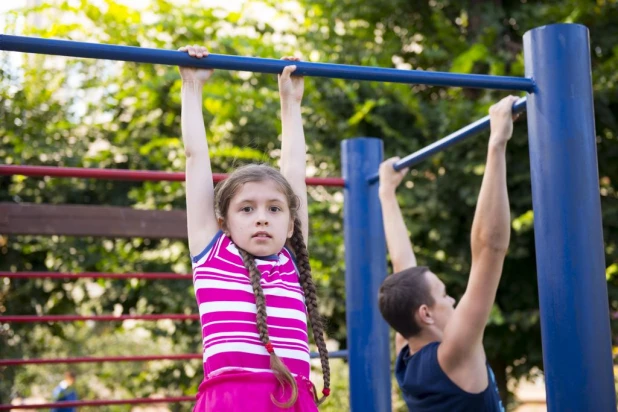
(397, 239)
(461, 354)
(201, 221)
(293, 146)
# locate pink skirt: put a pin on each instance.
(250, 391)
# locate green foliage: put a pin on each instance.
(90, 113)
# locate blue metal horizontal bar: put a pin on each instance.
(337, 354)
(438, 146)
(259, 65)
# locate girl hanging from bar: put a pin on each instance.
(251, 270)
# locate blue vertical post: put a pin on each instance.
(365, 260)
(573, 298)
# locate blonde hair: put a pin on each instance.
(224, 193)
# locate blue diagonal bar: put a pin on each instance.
(69, 48)
(470, 130)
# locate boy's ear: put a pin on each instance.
(423, 314)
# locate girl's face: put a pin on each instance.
(259, 219)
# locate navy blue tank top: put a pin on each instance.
(426, 387)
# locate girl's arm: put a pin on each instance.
(293, 147)
(201, 221)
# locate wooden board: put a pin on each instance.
(101, 221)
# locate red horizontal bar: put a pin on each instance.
(92, 275)
(325, 181)
(41, 361)
(185, 356)
(72, 318)
(138, 175)
(6, 407)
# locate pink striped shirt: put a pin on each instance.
(228, 313)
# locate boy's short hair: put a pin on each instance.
(400, 296)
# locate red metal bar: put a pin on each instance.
(6, 407)
(113, 174)
(93, 275)
(40, 361)
(72, 318)
(137, 175)
(340, 354)
(325, 181)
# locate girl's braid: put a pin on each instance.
(302, 260)
(282, 373)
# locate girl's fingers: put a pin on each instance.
(287, 71)
(194, 49)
